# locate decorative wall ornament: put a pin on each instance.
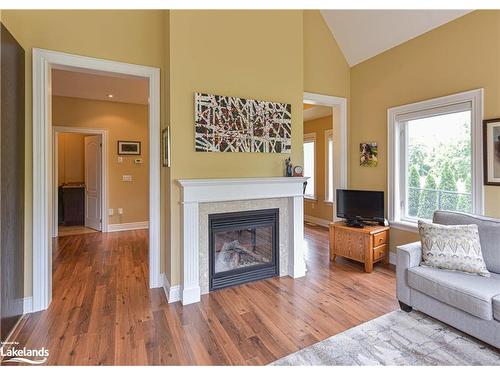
(491, 147)
(230, 124)
(129, 147)
(368, 154)
(165, 146)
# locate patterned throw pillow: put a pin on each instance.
(452, 247)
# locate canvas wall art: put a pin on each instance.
(368, 154)
(230, 124)
(491, 139)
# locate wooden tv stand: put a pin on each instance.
(367, 245)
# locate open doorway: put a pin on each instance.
(122, 150)
(325, 155)
(79, 184)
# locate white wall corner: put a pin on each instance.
(173, 293)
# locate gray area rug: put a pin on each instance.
(397, 338)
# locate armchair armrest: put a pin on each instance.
(408, 256)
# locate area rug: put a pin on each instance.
(397, 338)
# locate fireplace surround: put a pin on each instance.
(243, 247)
(201, 197)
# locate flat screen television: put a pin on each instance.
(360, 205)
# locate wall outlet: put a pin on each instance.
(127, 178)
(313, 205)
(120, 211)
(111, 212)
(138, 161)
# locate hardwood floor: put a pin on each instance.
(74, 230)
(102, 311)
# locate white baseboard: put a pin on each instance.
(128, 226)
(27, 305)
(392, 257)
(173, 293)
(317, 220)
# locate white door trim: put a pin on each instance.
(104, 173)
(339, 106)
(43, 62)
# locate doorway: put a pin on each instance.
(80, 196)
(325, 155)
(43, 63)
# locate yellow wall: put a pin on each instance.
(459, 56)
(132, 36)
(269, 55)
(125, 122)
(325, 68)
(70, 158)
(258, 55)
(319, 208)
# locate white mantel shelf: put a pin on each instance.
(196, 191)
(226, 189)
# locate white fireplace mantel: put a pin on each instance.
(196, 191)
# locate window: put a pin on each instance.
(329, 165)
(309, 163)
(434, 158)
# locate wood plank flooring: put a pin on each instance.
(103, 313)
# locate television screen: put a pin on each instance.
(361, 204)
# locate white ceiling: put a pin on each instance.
(98, 85)
(317, 111)
(362, 34)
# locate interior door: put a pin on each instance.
(93, 182)
(11, 182)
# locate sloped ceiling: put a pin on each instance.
(362, 34)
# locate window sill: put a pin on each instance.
(328, 202)
(310, 198)
(404, 225)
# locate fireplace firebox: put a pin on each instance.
(243, 247)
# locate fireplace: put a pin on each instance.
(243, 247)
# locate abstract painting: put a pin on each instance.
(230, 124)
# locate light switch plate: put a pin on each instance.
(111, 212)
(127, 177)
(120, 159)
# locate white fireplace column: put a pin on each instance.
(196, 191)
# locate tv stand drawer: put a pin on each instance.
(379, 238)
(379, 252)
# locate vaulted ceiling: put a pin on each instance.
(362, 34)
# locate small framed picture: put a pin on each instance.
(165, 150)
(491, 146)
(129, 148)
(368, 154)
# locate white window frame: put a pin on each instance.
(397, 116)
(328, 135)
(311, 138)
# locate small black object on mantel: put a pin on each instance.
(288, 167)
